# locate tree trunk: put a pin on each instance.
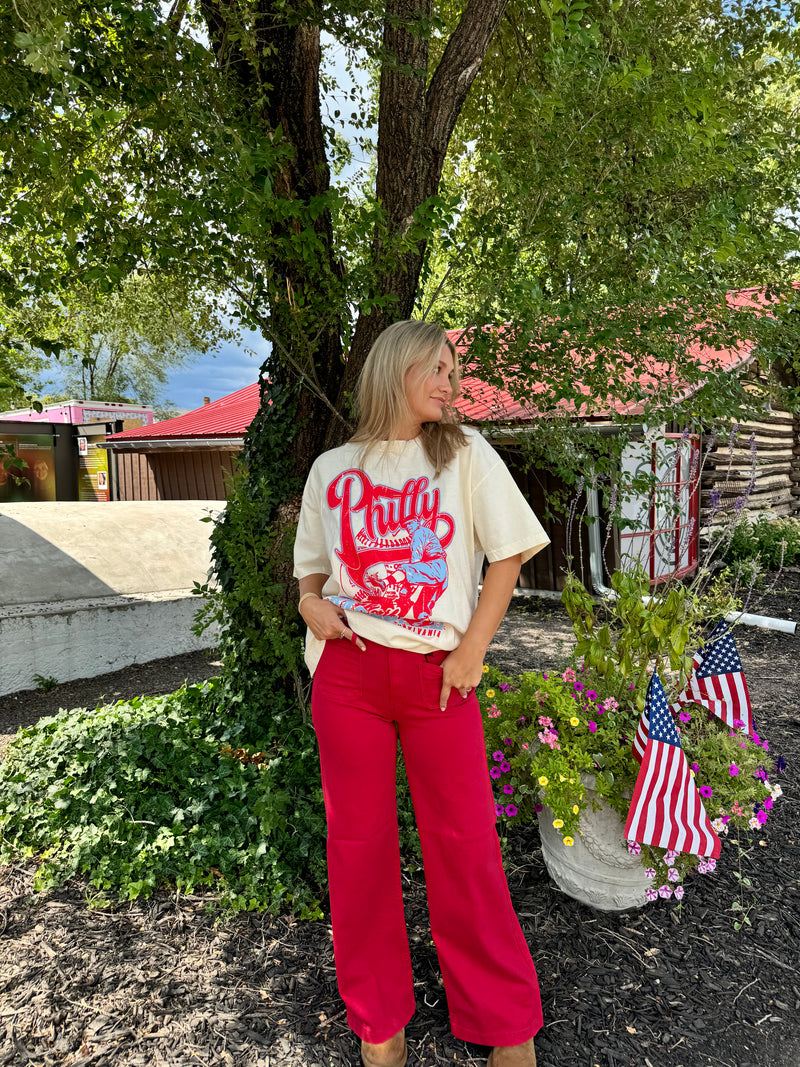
(416, 120)
(415, 127)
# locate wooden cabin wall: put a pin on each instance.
(728, 471)
(200, 474)
(546, 570)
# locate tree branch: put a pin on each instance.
(457, 70)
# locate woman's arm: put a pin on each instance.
(324, 619)
(463, 668)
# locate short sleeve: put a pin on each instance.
(310, 550)
(503, 519)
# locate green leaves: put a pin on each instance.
(71, 792)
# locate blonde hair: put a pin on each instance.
(382, 403)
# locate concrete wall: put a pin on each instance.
(88, 588)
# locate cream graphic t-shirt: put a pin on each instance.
(404, 549)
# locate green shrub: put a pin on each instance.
(152, 794)
(775, 542)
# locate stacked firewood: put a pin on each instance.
(772, 465)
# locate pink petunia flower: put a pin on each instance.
(768, 803)
(762, 817)
(665, 891)
(678, 891)
(711, 863)
(650, 893)
(650, 873)
(706, 791)
(673, 874)
(634, 848)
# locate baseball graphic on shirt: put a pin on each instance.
(392, 547)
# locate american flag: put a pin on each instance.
(666, 810)
(717, 680)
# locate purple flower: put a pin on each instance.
(494, 772)
(757, 739)
(578, 686)
(630, 686)
(499, 809)
(733, 770)
(765, 745)
(768, 803)
(592, 726)
(780, 765)
(506, 740)
(685, 716)
(505, 766)
(497, 756)
(762, 817)
(511, 810)
(544, 676)
(591, 695)
(695, 767)
(504, 687)
(538, 807)
(508, 790)
(706, 791)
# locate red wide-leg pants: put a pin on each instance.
(489, 977)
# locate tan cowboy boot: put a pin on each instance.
(513, 1056)
(391, 1053)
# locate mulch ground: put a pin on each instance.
(161, 982)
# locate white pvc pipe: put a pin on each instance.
(785, 626)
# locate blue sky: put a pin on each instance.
(233, 367)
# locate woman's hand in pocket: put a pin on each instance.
(462, 670)
(327, 622)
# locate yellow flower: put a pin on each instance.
(490, 693)
(558, 823)
(573, 780)
(485, 669)
(575, 809)
(574, 721)
(569, 840)
(543, 781)
(561, 778)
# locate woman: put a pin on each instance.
(392, 534)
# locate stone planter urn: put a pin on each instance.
(597, 870)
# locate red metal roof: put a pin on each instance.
(227, 417)
(231, 415)
(480, 402)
